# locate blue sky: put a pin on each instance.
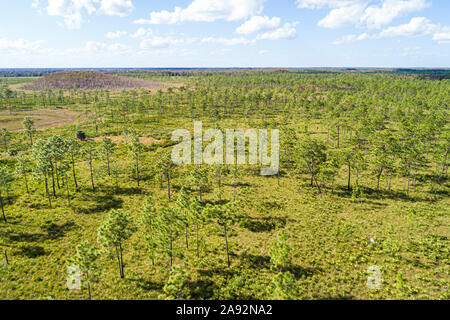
(224, 33)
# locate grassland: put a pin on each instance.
(334, 237)
(44, 118)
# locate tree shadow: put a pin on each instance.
(10, 199)
(300, 272)
(101, 203)
(202, 289)
(111, 190)
(255, 261)
(147, 285)
(22, 237)
(54, 231)
(238, 184)
(32, 251)
(264, 224)
(217, 271)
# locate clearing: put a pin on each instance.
(43, 118)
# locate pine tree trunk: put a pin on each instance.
(3, 210)
(121, 261)
(137, 169)
(168, 185)
(349, 172)
(26, 182)
(198, 251)
(409, 175)
(89, 290)
(46, 188)
(186, 235)
(107, 161)
(378, 180)
(92, 174)
(390, 178)
(74, 174)
(57, 175)
(67, 190)
(171, 254)
(53, 178)
(226, 242)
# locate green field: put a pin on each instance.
(390, 131)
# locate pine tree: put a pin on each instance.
(136, 148)
(183, 204)
(5, 136)
(112, 234)
(225, 216)
(22, 169)
(29, 128)
(5, 180)
(176, 288)
(165, 167)
(148, 214)
(41, 168)
(107, 149)
(85, 259)
(280, 253)
(90, 152)
(168, 226)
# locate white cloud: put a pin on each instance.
(121, 8)
(19, 46)
(378, 16)
(343, 16)
(258, 24)
(261, 52)
(207, 11)
(141, 33)
(70, 10)
(228, 41)
(116, 35)
(419, 26)
(442, 36)
(352, 38)
(160, 42)
(416, 27)
(94, 47)
(73, 11)
(319, 4)
(288, 31)
(371, 14)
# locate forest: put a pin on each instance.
(93, 206)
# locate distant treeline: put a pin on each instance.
(431, 74)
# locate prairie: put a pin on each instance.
(44, 118)
(336, 228)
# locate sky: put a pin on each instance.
(224, 33)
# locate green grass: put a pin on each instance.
(329, 234)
